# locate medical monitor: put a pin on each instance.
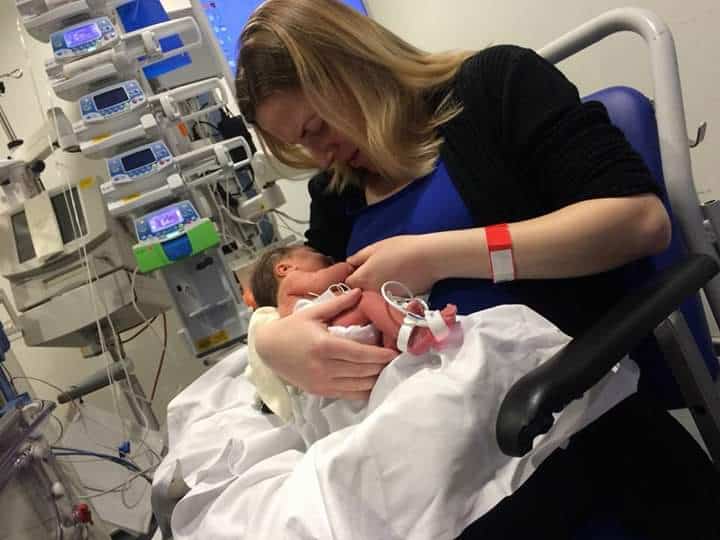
(228, 17)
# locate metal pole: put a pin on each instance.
(6, 126)
(13, 141)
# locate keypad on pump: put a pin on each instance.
(188, 213)
(115, 168)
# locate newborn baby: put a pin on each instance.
(285, 276)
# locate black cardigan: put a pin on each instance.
(523, 146)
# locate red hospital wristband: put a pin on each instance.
(499, 243)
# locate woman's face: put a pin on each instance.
(289, 117)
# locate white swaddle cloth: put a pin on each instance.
(419, 461)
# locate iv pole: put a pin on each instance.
(13, 141)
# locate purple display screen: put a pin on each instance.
(165, 220)
(82, 35)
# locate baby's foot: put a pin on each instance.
(422, 339)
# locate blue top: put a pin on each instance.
(427, 205)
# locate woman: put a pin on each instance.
(433, 160)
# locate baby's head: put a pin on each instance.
(276, 264)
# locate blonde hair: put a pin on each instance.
(385, 95)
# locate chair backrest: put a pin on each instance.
(633, 114)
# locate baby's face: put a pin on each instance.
(306, 259)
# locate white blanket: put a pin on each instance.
(420, 461)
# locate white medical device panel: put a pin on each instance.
(84, 39)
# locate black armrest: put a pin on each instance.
(526, 411)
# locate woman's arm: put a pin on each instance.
(593, 194)
(584, 238)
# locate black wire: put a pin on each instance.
(162, 358)
(202, 122)
(60, 452)
(143, 329)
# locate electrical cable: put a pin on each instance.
(136, 334)
(60, 451)
(129, 466)
(118, 487)
(9, 376)
(285, 224)
(203, 123)
(289, 217)
(62, 430)
(25, 377)
(162, 358)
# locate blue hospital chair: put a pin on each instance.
(662, 299)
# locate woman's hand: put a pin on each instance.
(301, 351)
(409, 259)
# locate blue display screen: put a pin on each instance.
(138, 159)
(228, 17)
(110, 98)
(82, 35)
